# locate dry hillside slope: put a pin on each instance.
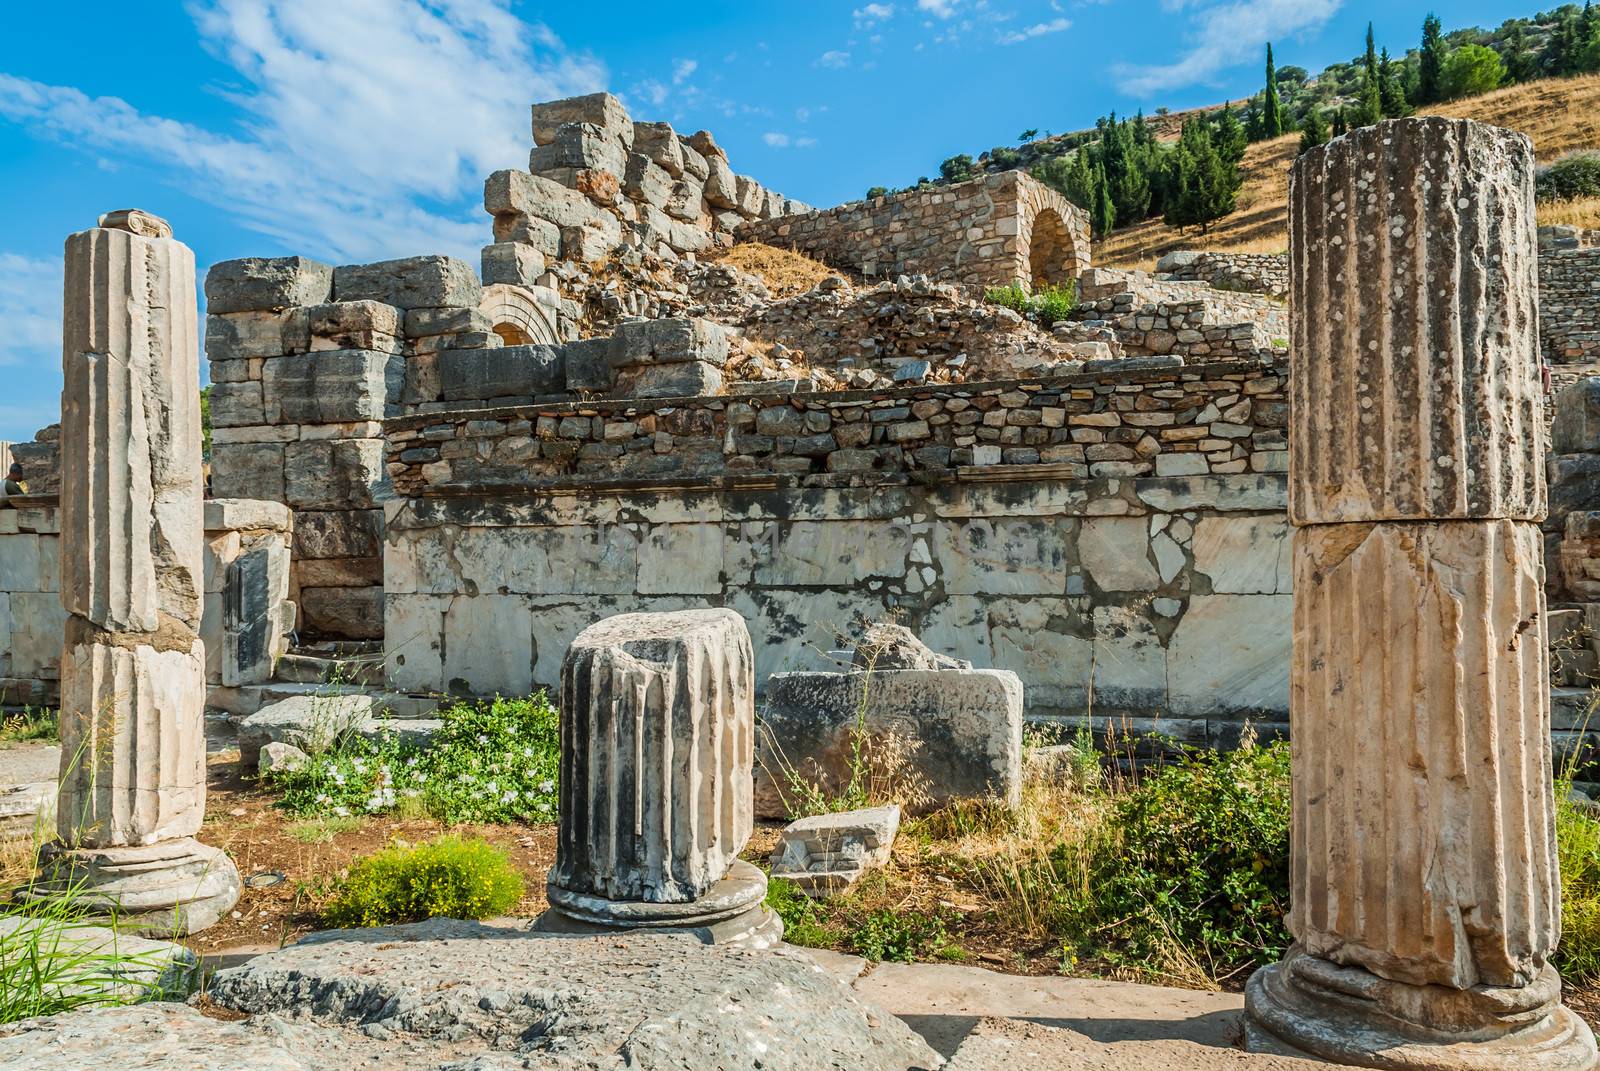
(1558, 114)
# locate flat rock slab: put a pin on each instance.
(1008, 1045)
(469, 995)
(943, 1002)
(324, 717)
(98, 960)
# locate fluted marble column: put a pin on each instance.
(657, 747)
(1426, 897)
(132, 666)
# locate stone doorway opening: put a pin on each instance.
(1052, 253)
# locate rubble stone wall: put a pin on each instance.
(989, 231)
(1251, 273)
(1569, 312)
(32, 621)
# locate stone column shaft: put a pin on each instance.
(1426, 895)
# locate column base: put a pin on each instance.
(167, 889)
(733, 912)
(1319, 1010)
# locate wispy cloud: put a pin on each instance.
(872, 14)
(1225, 34)
(348, 151)
(778, 140)
(941, 9)
(683, 70)
(834, 58)
(30, 307)
(1038, 29)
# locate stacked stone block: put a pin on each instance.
(132, 666)
(247, 616)
(31, 615)
(1568, 310)
(599, 183)
(1153, 316)
(1249, 273)
(657, 751)
(989, 231)
(1222, 419)
(1426, 899)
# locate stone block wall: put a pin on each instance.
(247, 616)
(32, 622)
(1167, 597)
(1221, 418)
(1569, 304)
(1251, 273)
(989, 231)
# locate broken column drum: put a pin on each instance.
(657, 750)
(133, 690)
(1426, 897)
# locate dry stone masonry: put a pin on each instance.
(247, 616)
(133, 667)
(989, 231)
(1425, 888)
(657, 745)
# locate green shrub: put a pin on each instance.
(1575, 175)
(1578, 838)
(890, 936)
(803, 918)
(29, 724)
(493, 761)
(1046, 305)
(446, 878)
(1191, 867)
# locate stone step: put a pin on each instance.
(243, 701)
(297, 668)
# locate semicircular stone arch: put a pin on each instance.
(1055, 237)
(517, 316)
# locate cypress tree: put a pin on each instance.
(1313, 131)
(1430, 70)
(1391, 94)
(1271, 108)
(1103, 216)
(1369, 106)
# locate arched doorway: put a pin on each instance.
(1052, 253)
(517, 316)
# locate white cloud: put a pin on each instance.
(1226, 34)
(30, 307)
(872, 14)
(835, 59)
(367, 124)
(682, 70)
(942, 9)
(776, 140)
(1038, 29)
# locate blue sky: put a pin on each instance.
(355, 130)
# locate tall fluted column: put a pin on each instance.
(1426, 897)
(132, 667)
(657, 748)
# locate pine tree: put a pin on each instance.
(1563, 48)
(1272, 108)
(1126, 157)
(1313, 131)
(1230, 135)
(1341, 124)
(1431, 61)
(1206, 186)
(1391, 93)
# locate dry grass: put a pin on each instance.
(1583, 212)
(785, 272)
(1558, 114)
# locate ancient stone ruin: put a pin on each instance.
(1425, 883)
(133, 750)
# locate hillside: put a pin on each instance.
(1558, 114)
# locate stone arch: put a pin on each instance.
(1050, 255)
(517, 316)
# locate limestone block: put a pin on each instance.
(1576, 426)
(254, 617)
(410, 283)
(338, 572)
(518, 197)
(587, 363)
(342, 613)
(1116, 554)
(236, 405)
(246, 514)
(1448, 773)
(331, 386)
(669, 341)
(1130, 665)
(489, 645)
(352, 325)
(1419, 379)
(694, 164)
(967, 725)
(658, 144)
(577, 147)
(133, 754)
(37, 619)
(722, 189)
(1244, 555)
(657, 728)
(1229, 657)
(267, 283)
(130, 440)
(335, 474)
(826, 854)
(516, 263)
(1003, 555)
(309, 722)
(243, 470)
(600, 110)
(242, 335)
(686, 201)
(750, 196)
(694, 379)
(342, 533)
(509, 371)
(647, 182)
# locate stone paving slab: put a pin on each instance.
(1009, 1044)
